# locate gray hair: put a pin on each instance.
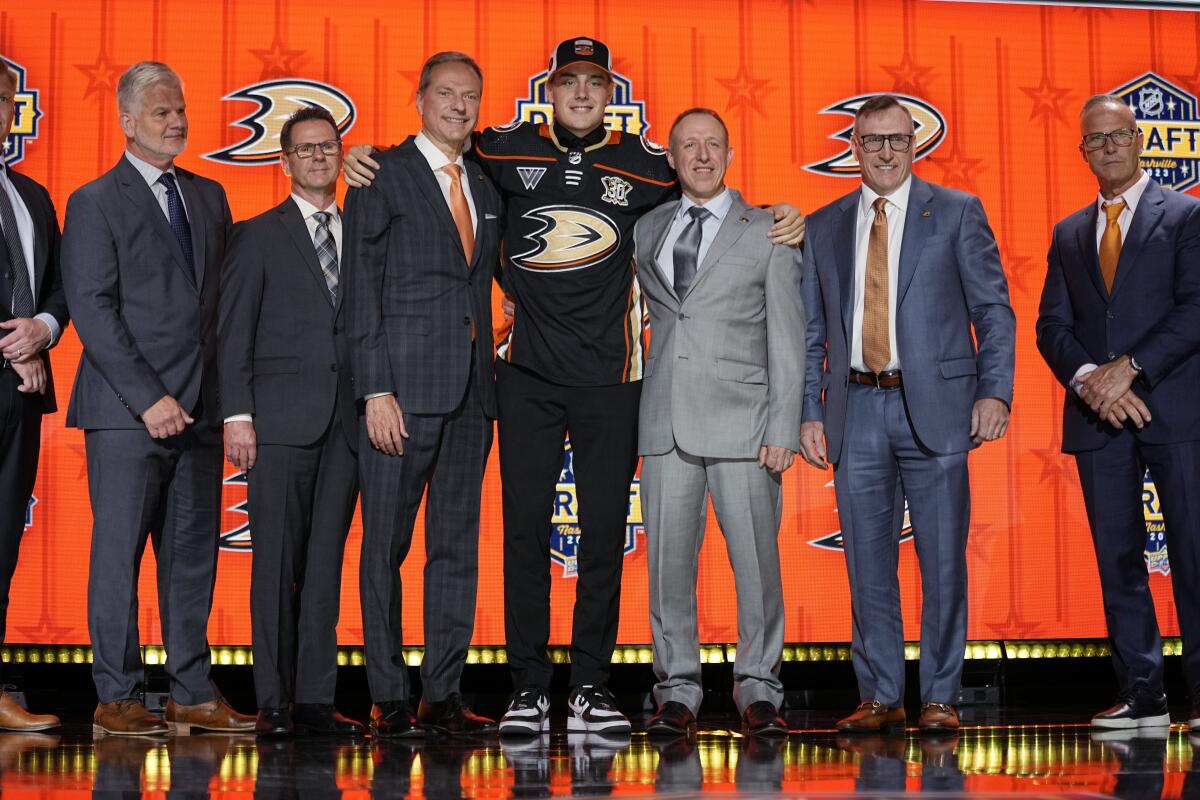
(140, 77)
(1100, 100)
(446, 57)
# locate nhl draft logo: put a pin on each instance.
(616, 190)
(27, 111)
(29, 511)
(623, 114)
(235, 521)
(277, 100)
(835, 540)
(929, 130)
(1156, 529)
(564, 521)
(1170, 126)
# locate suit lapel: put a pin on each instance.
(845, 242)
(138, 193)
(1089, 257)
(429, 186)
(40, 242)
(1147, 217)
(473, 177)
(196, 221)
(918, 223)
(293, 222)
(732, 227)
(659, 237)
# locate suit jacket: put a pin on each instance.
(147, 320)
(950, 281)
(1152, 313)
(283, 354)
(412, 297)
(725, 371)
(48, 288)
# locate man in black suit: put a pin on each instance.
(290, 422)
(33, 313)
(422, 243)
(141, 257)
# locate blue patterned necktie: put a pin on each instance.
(327, 252)
(687, 250)
(22, 295)
(178, 218)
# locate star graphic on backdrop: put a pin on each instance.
(1048, 100)
(745, 90)
(958, 171)
(278, 61)
(102, 75)
(909, 75)
(1054, 464)
(413, 76)
(1192, 81)
(1021, 273)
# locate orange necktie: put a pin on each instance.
(1110, 243)
(876, 343)
(460, 210)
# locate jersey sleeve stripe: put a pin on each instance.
(636, 177)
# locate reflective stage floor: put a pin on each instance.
(983, 760)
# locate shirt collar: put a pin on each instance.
(307, 209)
(436, 158)
(1132, 196)
(150, 173)
(573, 142)
(898, 198)
(718, 206)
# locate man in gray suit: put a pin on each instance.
(720, 414)
(896, 275)
(141, 257)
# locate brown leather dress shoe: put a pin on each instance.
(871, 716)
(15, 718)
(215, 715)
(938, 718)
(127, 718)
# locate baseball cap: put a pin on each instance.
(581, 50)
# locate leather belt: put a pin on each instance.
(883, 380)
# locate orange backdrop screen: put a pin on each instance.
(996, 89)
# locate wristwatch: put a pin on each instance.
(1133, 362)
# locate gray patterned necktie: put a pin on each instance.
(22, 295)
(687, 250)
(327, 252)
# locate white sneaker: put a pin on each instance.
(593, 709)
(528, 713)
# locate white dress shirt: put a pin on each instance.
(896, 208)
(1132, 196)
(717, 207)
(151, 174)
(25, 235)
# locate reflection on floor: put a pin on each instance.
(1041, 759)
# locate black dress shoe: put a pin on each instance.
(1137, 707)
(451, 717)
(762, 719)
(324, 720)
(672, 719)
(394, 720)
(273, 722)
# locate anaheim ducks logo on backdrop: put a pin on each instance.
(571, 237)
(277, 100)
(930, 129)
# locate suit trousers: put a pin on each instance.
(882, 463)
(20, 442)
(170, 491)
(445, 453)
(748, 501)
(301, 504)
(1111, 478)
(535, 416)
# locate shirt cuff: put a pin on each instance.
(1079, 373)
(373, 395)
(240, 418)
(50, 322)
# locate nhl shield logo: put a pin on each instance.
(1156, 529)
(27, 111)
(565, 532)
(1170, 126)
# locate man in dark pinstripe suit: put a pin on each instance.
(421, 248)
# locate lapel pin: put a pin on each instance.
(925, 214)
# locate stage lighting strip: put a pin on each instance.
(641, 654)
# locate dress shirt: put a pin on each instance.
(25, 236)
(717, 207)
(1132, 196)
(896, 208)
(151, 174)
(307, 210)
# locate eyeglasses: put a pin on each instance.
(1121, 137)
(330, 147)
(873, 142)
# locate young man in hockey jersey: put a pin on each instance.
(571, 364)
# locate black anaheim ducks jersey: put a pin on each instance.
(570, 208)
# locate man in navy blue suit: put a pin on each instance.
(1119, 325)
